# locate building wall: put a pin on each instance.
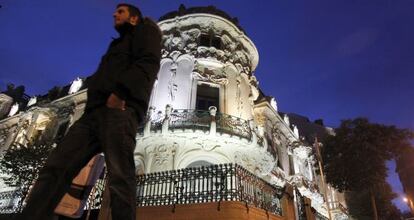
(272, 149)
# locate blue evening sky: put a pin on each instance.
(322, 59)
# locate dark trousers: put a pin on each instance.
(107, 130)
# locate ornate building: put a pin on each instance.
(206, 109)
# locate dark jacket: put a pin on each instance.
(129, 68)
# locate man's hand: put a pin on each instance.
(115, 102)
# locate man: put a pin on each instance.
(118, 95)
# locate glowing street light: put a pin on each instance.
(405, 199)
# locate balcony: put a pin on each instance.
(216, 183)
(224, 191)
(210, 122)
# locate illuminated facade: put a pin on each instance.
(206, 108)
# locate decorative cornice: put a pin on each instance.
(182, 34)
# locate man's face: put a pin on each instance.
(121, 16)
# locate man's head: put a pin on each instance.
(126, 13)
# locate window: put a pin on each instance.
(199, 163)
(207, 96)
(216, 42)
(205, 40)
(209, 40)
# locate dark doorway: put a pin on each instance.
(207, 96)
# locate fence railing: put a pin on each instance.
(210, 120)
(9, 201)
(216, 183)
(190, 119)
(233, 125)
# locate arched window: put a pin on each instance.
(199, 163)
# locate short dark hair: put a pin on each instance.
(133, 10)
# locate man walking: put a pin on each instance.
(118, 95)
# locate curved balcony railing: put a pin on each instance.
(233, 125)
(215, 183)
(190, 119)
(199, 120)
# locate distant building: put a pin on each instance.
(206, 110)
(311, 132)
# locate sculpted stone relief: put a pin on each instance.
(161, 156)
(174, 79)
(204, 74)
(75, 86)
(183, 41)
(21, 134)
(172, 85)
(207, 145)
(186, 42)
(257, 161)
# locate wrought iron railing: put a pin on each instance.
(9, 201)
(189, 119)
(216, 183)
(233, 125)
(198, 119)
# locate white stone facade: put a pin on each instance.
(244, 127)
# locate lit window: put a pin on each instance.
(207, 96)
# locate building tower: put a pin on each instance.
(206, 109)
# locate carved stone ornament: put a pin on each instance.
(277, 136)
(207, 75)
(32, 101)
(75, 86)
(302, 152)
(207, 145)
(186, 42)
(161, 154)
(286, 119)
(255, 160)
(14, 109)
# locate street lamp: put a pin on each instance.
(405, 199)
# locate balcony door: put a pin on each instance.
(207, 95)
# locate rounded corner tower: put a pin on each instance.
(202, 105)
(204, 47)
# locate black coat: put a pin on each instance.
(129, 68)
